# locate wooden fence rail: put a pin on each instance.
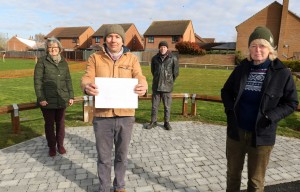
(88, 106)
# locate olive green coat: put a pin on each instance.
(52, 82)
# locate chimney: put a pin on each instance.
(281, 38)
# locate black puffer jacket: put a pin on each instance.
(279, 99)
(52, 82)
(164, 72)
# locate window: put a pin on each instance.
(74, 40)
(150, 39)
(175, 39)
(97, 39)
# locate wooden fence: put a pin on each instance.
(88, 106)
(196, 65)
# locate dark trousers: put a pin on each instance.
(258, 159)
(108, 132)
(167, 101)
(56, 116)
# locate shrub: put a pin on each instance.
(238, 57)
(293, 65)
(186, 47)
(222, 52)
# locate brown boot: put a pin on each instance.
(52, 151)
(119, 190)
(61, 150)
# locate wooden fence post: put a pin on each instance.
(88, 108)
(194, 105)
(85, 109)
(15, 119)
(91, 108)
(185, 104)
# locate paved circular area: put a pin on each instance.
(189, 158)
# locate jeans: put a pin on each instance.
(166, 97)
(258, 159)
(56, 116)
(109, 131)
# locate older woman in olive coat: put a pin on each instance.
(54, 92)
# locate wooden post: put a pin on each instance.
(194, 105)
(85, 109)
(91, 108)
(88, 108)
(185, 104)
(15, 119)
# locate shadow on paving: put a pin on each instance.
(154, 178)
(283, 187)
(40, 154)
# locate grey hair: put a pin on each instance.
(52, 40)
(273, 52)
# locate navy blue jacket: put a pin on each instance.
(279, 99)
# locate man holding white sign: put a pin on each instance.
(113, 125)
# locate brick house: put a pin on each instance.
(284, 25)
(133, 39)
(199, 39)
(20, 44)
(73, 38)
(170, 31)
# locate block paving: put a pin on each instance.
(190, 158)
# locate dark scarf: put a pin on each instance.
(163, 56)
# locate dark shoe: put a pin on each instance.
(61, 150)
(167, 126)
(119, 190)
(52, 151)
(151, 125)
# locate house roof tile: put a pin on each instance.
(28, 42)
(275, 3)
(101, 30)
(67, 32)
(175, 27)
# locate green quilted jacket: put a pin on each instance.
(52, 82)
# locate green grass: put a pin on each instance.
(18, 64)
(190, 80)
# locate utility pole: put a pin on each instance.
(6, 44)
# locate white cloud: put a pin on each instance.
(211, 18)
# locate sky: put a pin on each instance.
(211, 18)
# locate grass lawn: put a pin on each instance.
(190, 80)
(18, 64)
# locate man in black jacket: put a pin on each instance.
(257, 95)
(165, 69)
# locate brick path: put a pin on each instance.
(189, 158)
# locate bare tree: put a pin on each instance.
(3, 40)
(39, 37)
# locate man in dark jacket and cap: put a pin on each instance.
(165, 69)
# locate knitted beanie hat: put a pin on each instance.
(114, 28)
(261, 33)
(163, 43)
